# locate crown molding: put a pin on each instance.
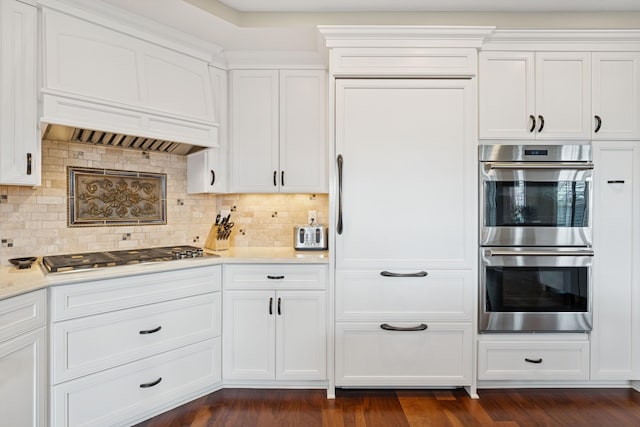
(404, 35)
(556, 39)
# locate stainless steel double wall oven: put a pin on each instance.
(535, 238)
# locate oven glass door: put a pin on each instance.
(535, 207)
(536, 290)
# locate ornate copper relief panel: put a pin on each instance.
(99, 197)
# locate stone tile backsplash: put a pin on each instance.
(33, 221)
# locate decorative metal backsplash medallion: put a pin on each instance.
(99, 197)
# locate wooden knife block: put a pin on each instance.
(213, 243)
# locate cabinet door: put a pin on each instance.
(507, 102)
(616, 95)
(563, 95)
(19, 136)
(303, 145)
(23, 387)
(616, 239)
(301, 330)
(204, 172)
(254, 131)
(249, 335)
(409, 174)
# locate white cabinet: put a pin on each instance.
(19, 134)
(535, 95)
(405, 267)
(616, 95)
(207, 170)
(273, 332)
(23, 360)
(409, 143)
(615, 338)
(533, 358)
(278, 122)
(128, 348)
(100, 74)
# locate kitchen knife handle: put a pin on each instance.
(271, 306)
(388, 327)
(213, 177)
(150, 331)
(598, 123)
(533, 123)
(279, 306)
(275, 176)
(151, 384)
(536, 361)
(29, 161)
(390, 274)
(282, 178)
(339, 225)
(541, 118)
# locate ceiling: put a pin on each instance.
(292, 24)
(431, 5)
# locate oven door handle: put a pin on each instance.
(540, 165)
(499, 252)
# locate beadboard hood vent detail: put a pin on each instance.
(115, 140)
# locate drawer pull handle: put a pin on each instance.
(270, 306)
(150, 331)
(151, 384)
(388, 327)
(390, 274)
(275, 277)
(533, 360)
(616, 181)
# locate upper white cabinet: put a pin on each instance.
(616, 95)
(278, 134)
(100, 77)
(19, 137)
(207, 170)
(541, 95)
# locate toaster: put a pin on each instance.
(310, 237)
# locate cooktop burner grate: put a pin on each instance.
(70, 262)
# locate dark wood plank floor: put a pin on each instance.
(408, 408)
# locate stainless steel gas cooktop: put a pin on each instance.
(80, 261)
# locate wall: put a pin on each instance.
(33, 221)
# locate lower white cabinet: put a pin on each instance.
(403, 354)
(23, 360)
(128, 348)
(533, 359)
(138, 390)
(272, 333)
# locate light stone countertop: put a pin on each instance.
(15, 282)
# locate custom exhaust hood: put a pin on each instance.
(115, 140)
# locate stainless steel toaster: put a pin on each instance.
(310, 237)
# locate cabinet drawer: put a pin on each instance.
(118, 396)
(86, 345)
(22, 313)
(275, 276)
(533, 360)
(441, 295)
(100, 296)
(367, 355)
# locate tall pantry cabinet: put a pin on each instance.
(404, 211)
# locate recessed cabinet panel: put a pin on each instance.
(408, 182)
(615, 343)
(367, 355)
(440, 295)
